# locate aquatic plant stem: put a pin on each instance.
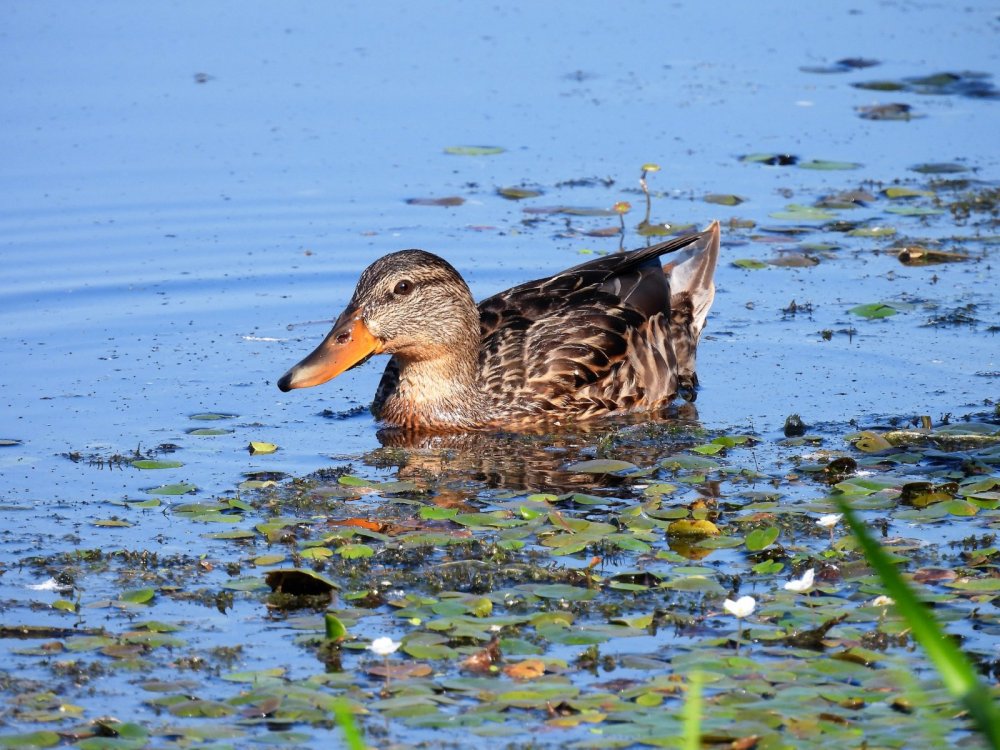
(691, 712)
(345, 720)
(952, 665)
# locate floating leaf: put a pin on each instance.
(211, 416)
(601, 466)
(825, 165)
(874, 310)
(150, 464)
(172, 489)
(914, 211)
(879, 85)
(208, 431)
(897, 192)
(796, 212)
(446, 202)
(872, 232)
(896, 111)
(939, 168)
(749, 264)
(354, 551)
(692, 527)
(529, 669)
(44, 738)
(721, 199)
(760, 539)
(474, 150)
(138, 596)
(516, 193)
(258, 447)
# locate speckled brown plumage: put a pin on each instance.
(615, 335)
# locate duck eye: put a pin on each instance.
(403, 287)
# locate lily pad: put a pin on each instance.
(517, 193)
(151, 464)
(601, 466)
(446, 202)
(258, 447)
(749, 264)
(474, 150)
(828, 165)
(181, 488)
(724, 199)
(874, 310)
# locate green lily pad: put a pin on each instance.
(474, 150)
(874, 310)
(872, 232)
(760, 539)
(516, 193)
(150, 464)
(601, 466)
(138, 596)
(749, 264)
(721, 199)
(827, 165)
(181, 488)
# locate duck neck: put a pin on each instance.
(437, 392)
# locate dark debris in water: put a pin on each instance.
(894, 111)
(845, 65)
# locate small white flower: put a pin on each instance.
(742, 607)
(883, 601)
(384, 646)
(803, 584)
(829, 520)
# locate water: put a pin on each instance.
(190, 191)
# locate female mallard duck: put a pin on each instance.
(614, 335)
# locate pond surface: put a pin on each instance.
(190, 192)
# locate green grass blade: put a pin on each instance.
(952, 665)
(345, 720)
(691, 712)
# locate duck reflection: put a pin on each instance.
(535, 461)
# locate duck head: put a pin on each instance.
(411, 304)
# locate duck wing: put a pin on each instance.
(594, 338)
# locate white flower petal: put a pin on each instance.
(803, 584)
(742, 607)
(831, 519)
(384, 646)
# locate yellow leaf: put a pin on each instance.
(259, 447)
(692, 527)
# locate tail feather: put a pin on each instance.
(691, 274)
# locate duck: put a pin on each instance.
(615, 335)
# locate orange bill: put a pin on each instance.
(349, 343)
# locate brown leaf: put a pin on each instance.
(359, 522)
(399, 671)
(529, 669)
(934, 575)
